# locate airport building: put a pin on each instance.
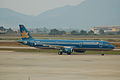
(107, 29)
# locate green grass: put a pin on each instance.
(9, 38)
(30, 50)
(55, 51)
(103, 52)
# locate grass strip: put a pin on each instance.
(56, 51)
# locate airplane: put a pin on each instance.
(63, 46)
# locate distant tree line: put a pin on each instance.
(59, 32)
(56, 32)
(6, 31)
(73, 32)
(81, 32)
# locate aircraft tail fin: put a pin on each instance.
(25, 35)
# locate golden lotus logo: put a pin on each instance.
(24, 34)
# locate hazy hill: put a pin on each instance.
(89, 13)
(10, 17)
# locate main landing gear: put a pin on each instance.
(61, 53)
(68, 51)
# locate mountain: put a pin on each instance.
(87, 14)
(12, 18)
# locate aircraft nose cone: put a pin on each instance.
(112, 47)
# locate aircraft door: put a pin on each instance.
(100, 45)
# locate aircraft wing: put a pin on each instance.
(58, 46)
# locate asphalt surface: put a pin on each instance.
(45, 66)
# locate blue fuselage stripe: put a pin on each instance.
(90, 44)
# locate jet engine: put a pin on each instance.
(79, 51)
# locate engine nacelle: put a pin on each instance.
(79, 51)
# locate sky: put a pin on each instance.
(35, 7)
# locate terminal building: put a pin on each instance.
(107, 29)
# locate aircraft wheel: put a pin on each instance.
(60, 53)
(102, 54)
